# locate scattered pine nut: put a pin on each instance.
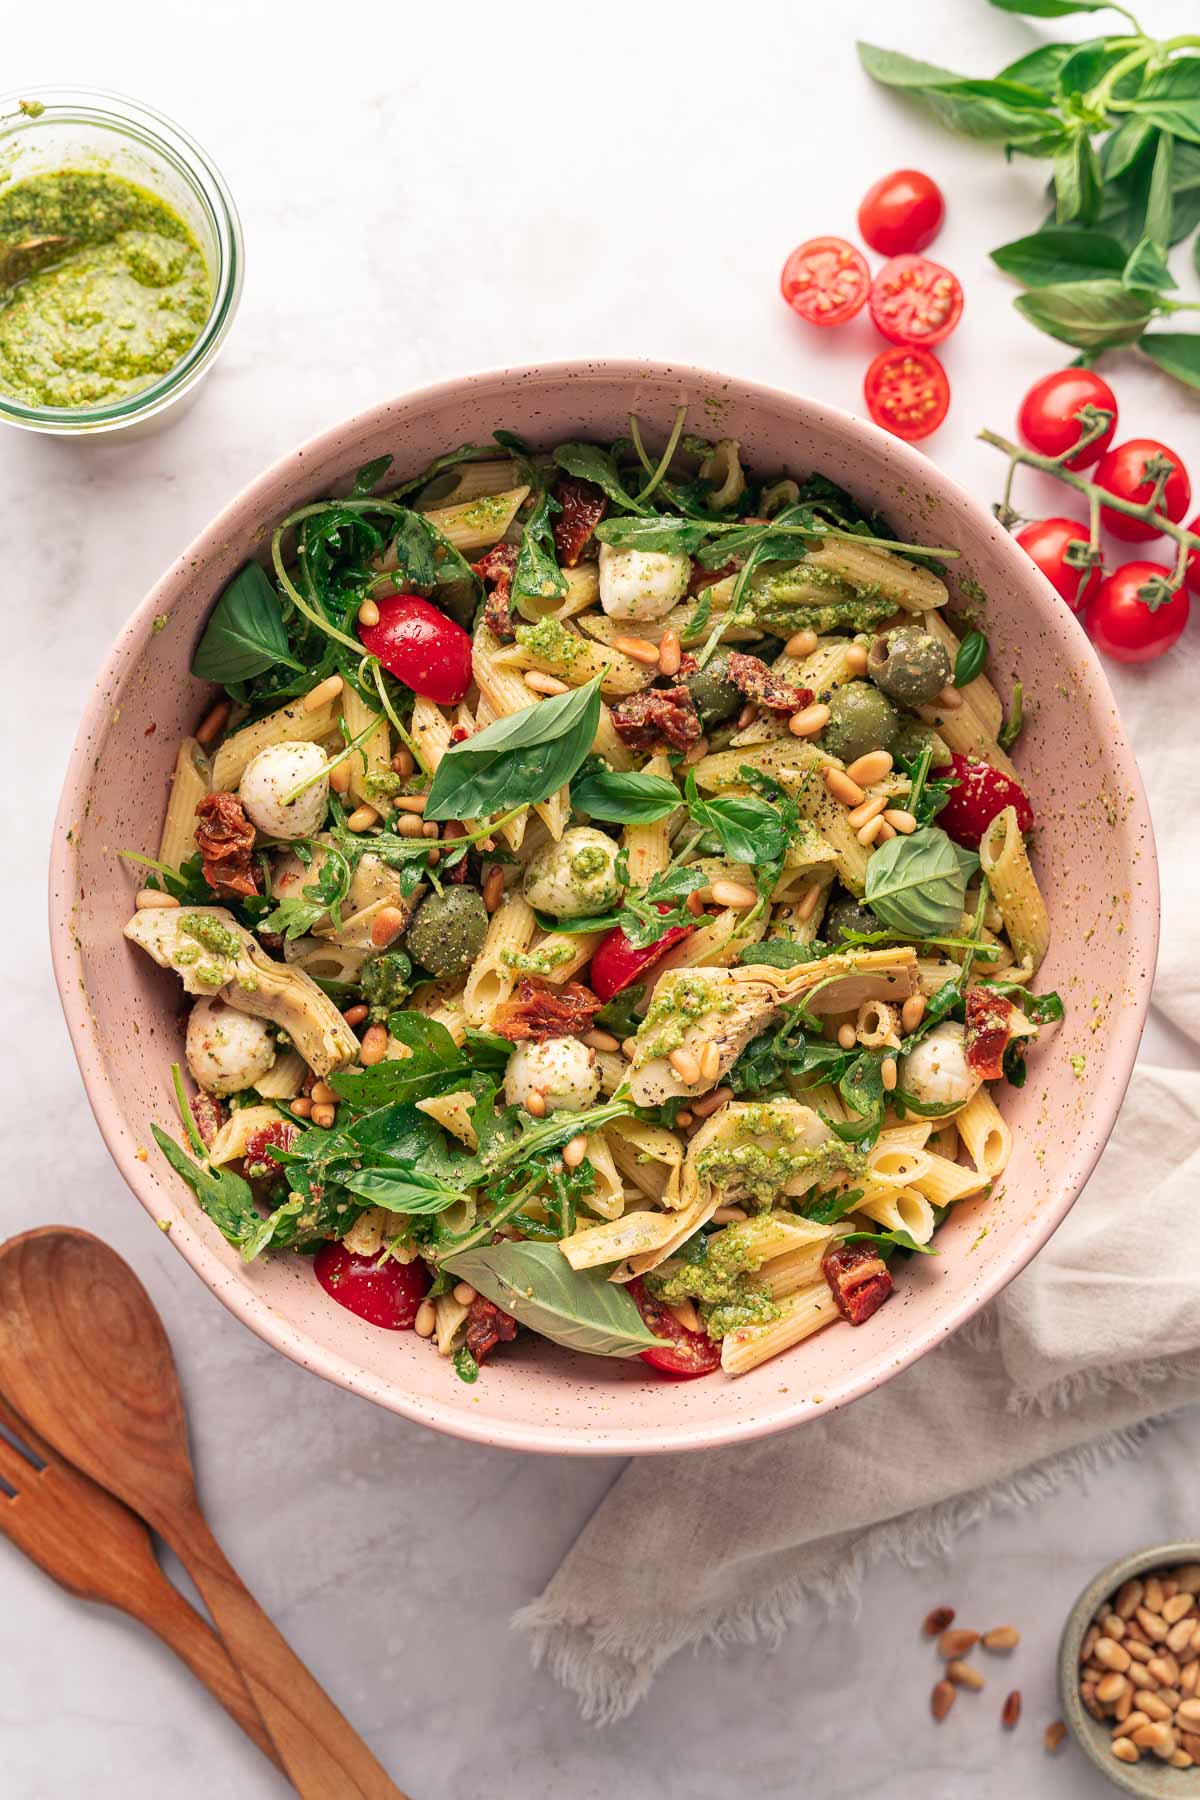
(323, 1094)
(870, 808)
(856, 659)
(711, 1104)
(302, 1107)
(938, 1621)
(429, 828)
(801, 643)
(403, 763)
(963, 1675)
(912, 1012)
(1154, 1627)
(538, 683)
(213, 723)
(414, 803)
(535, 1105)
(368, 614)
(872, 767)
(1126, 1752)
(949, 699)
(322, 694)
(493, 889)
(629, 1048)
(1129, 1598)
(685, 1066)
(340, 777)
(942, 1699)
(847, 1037)
(1054, 1734)
(809, 721)
(842, 788)
(1001, 1637)
(362, 818)
(747, 715)
(686, 1313)
(695, 902)
(426, 1319)
(670, 653)
(733, 893)
(147, 899)
(888, 1073)
(324, 1115)
(373, 1048)
(354, 1015)
(574, 1152)
(602, 1040)
(464, 1293)
(710, 1061)
(807, 905)
(956, 1643)
(900, 820)
(1011, 1710)
(871, 831)
(407, 825)
(684, 1117)
(884, 832)
(387, 925)
(640, 649)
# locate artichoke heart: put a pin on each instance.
(691, 1009)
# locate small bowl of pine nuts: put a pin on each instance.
(1129, 1671)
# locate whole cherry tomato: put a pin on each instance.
(616, 964)
(1047, 419)
(685, 1354)
(385, 1294)
(421, 647)
(915, 301)
(1046, 541)
(982, 792)
(1128, 628)
(903, 211)
(825, 281)
(1122, 471)
(907, 392)
(1193, 561)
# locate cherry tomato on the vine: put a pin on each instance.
(1123, 471)
(825, 281)
(915, 301)
(1128, 628)
(385, 1294)
(421, 647)
(684, 1354)
(1046, 541)
(1047, 420)
(903, 211)
(907, 392)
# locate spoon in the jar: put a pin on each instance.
(19, 261)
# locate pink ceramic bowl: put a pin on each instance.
(1094, 851)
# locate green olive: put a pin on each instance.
(845, 916)
(713, 694)
(860, 719)
(909, 664)
(448, 930)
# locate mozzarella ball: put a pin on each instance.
(641, 584)
(562, 1070)
(576, 878)
(273, 773)
(936, 1071)
(227, 1050)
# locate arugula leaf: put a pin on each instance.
(245, 634)
(662, 532)
(620, 1015)
(640, 918)
(435, 1065)
(625, 799)
(465, 1366)
(369, 477)
(518, 760)
(926, 798)
(1041, 1009)
(972, 654)
(535, 1283)
(537, 574)
(298, 913)
(1092, 315)
(917, 884)
(449, 459)
(413, 545)
(893, 1240)
(828, 1207)
(1178, 352)
(1059, 254)
(588, 462)
(224, 1196)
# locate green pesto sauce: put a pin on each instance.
(762, 1173)
(539, 961)
(551, 641)
(126, 299)
(673, 1011)
(722, 1281)
(209, 931)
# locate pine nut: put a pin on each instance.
(574, 1152)
(340, 777)
(686, 1313)
(535, 1105)
(403, 763)
(324, 1115)
(629, 1048)
(1179, 1759)
(640, 649)
(685, 1117)
(695, 902)
(856, 659)
(464, 1293)
(368, 614)
(387, 924)
(1170, 1588)
(949, 699)
(942, 1616)
(1134, 1634)
(213, 723)
(354, 1015)
(426, 1319)
(1114, 1627)
(806, 906)
(869, 769)
(150, 899)
(670, 653)
(1154, 1627)
(323, 1095)
(801, 643)
(1141, 1653)
(1153, 1597)
(493, 889)
(1189, 1711)
(953, 1644)
(871, 831)
(809, 721)
(1176, 1608)
(1191, 1743)
(847, 1037)
(1111, 1655)
(362, 818)
(1180, 1636)
(1001, 1637)
(302, 1107)
(408, 825)
(685, 1066)
(373, 1048)
(733, 893)
(747, 715)
(888, 1073)
(1129, 1599)
(1164, 1669)
(1130, 1723)
(1011, 1710)
(1054, 1735)
(871, 808)
(1111, 1688)
(912, 1012)
(885, 831)
(942, 1699)
(711, 1103)
(1124, 1703)
(963, 1675)
(538, 683)
(1188, 1577)
(1150, 1704)
(1158, 1738)
(710, 1062)
(322, 694)
(1126, 1752)
(602, 1040)
(412, 803)
(842, 788)
(428, 827)
(1087, 1693)
(900, 820)
(1189, 1680)
(1090, 1641)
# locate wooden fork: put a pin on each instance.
(95, 1548)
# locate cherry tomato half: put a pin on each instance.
(1123, 472)
(825, 281)
(616, 964)
(685, 1354)
(907, 392)
(1193, 561)
(421, 647)
(903, 211)
(915, 301)
(1123, 626)
(982, 792)
(385, 1294)
(1047, 420)
(1046, 542)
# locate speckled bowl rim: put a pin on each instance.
(247, 1304)
(1092, 1737)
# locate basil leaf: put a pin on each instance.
(1169, 98)
(224, 1196)
(916, 884)
(899, 1239)
(407, 1192)
(1159, 202)
(1077, 181)
(517, 760)
(624, 798)
(1178, 352)
(1125, 145)
(1092, 315)
(750, 830)
(245, 633)
(1050, 9)
(537, 574)
(1147, 265)
(1059, 254)
(435, 1065)
(894, 69)
(778, 953)
(588, 462)
(537, 1285)
(1039, 69)
(663, 533)
(972, 654)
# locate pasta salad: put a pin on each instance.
(603, 889)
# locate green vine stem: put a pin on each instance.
(1095, 420)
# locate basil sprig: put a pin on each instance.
(624, 798)
(516, 761)
(917, 884)
(245, 634)
(535, 1283)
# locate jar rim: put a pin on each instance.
(144, 125)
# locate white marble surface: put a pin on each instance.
(462, 188)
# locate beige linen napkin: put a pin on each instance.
(1067, 1368)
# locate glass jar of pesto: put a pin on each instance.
(120, 263)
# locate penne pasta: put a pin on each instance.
(801, 1313)
(190, 782)
(1005, 861)
(986, 1138)
(291, 724)
(492, 977)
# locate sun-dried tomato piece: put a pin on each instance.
(209, 1114)
(701, 577)
(858, 1280)
(497, 567)
(258, 1160)
(487, 1326)
(225, 840)
(688, 665)
(539, 1011)
(658, 716)
(751, 676)
(989, 1030)
(583, 506)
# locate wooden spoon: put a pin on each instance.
(98, 1550)
(19, 261)
(84, 1358)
